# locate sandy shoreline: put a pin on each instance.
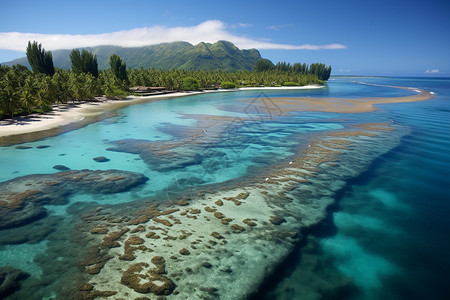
(64, 114)
(80, 114)
(66, 117)
(315, 86)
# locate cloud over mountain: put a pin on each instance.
(209, 31)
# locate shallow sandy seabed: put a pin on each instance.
(223, 243)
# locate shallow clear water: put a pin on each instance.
(385, 237)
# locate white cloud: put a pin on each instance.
(245, 25)
(278, 27)
(433, 71)
(209, 31)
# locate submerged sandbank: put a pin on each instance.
(223, 241)
(340, 105)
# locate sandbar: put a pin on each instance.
(341, 105)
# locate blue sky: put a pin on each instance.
(393, 38)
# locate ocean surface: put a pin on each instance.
(386, 236)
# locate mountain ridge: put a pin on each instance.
(221, 55)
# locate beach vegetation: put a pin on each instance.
(114, 91)
(24, 92)
(84, 62)
(319, 69)
(10, 93)
(118, 67)
(264, 64)
(41, 61)
(189, 84)
(228, 85)
(290, 83)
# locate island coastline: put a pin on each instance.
(70, 116)
(67, 117)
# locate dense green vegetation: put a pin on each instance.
(118, 67)
(320, 70)
(84, 62)
(172, 79)
(23, 91)
(264, 64)
(221, 55)
(228, 85)
(41, 61)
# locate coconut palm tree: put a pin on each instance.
(10, 93)
(29, 94)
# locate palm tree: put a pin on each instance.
(10, 95)
(29, 94)
(60, 81)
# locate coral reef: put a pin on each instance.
(277, 220)
(101, 159)
(61, 168)
(249, 222)
(95, 263)
(217, 235)
(110, 240)
(219, 215)
(153, 280)
(10, 279)
(206, 240)
(22, 199)
(90, 295)
(184, 251)
(237, 228)
(129, 249)
(99, 230)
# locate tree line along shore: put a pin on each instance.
(24, 92)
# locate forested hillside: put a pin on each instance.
(221, 55)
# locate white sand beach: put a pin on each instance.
(305, 87)
(65, 114)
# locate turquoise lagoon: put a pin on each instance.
(385, 237)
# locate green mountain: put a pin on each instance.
(221, 55)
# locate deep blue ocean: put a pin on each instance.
(389, 231)
(387, 236)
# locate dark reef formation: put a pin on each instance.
(145, 283)
(10, 279)
(162, 157)
(101, 159)
(22, 199)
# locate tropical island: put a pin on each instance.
(200, 67)
(201, 150)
